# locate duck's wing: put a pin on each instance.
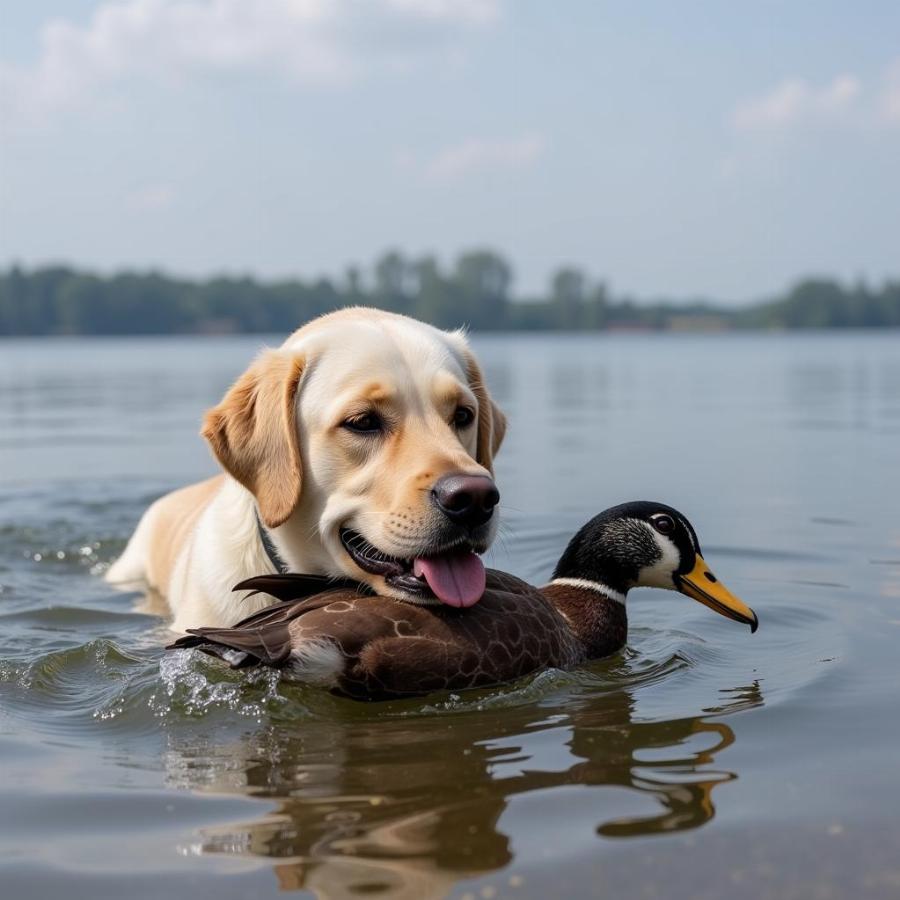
(510, 584)
(263, 638)
(296, 586)
(247, 644)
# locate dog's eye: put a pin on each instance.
(463, 417)
(365, 423)
(663, 524)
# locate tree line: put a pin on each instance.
(474, 291)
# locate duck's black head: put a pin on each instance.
(647, 544)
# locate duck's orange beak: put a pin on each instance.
(700, 584)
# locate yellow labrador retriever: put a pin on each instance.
(362, 447)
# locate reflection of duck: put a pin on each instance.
(352, 815)
(377, 647)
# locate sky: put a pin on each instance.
(692, 149)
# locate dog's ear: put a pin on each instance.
(253, 433)
(491, 421)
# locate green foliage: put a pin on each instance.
(475, 292)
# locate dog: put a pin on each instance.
(362, 448)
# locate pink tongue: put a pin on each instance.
(457, 579)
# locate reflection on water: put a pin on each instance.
(351, 819)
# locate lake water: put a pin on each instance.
(701, 762)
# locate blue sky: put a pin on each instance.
(676, 149)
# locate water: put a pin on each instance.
(701, 762)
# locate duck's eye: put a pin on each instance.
(663, 524)
(364, 423)
(463, 417)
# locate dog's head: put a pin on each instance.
(368, 441)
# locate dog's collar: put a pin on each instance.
(299, 585)
(281, 567)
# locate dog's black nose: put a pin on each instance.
(467, 500)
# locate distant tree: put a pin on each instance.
(393, 282)
(889, 305)
(13, 301)
(568, 293)
(59, 300)
(596, 308)
(816, 303)
(353, 284)
(435, 296)
(483, 280)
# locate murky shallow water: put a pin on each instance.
(701, 762)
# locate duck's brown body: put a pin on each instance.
(371, 647)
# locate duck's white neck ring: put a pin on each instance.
(588, 585)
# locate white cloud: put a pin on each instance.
(152, 198)
(890, 101)
(305, 41)
(840, 94)
(479, 154)
(796, 100)
(479, 12)
(779, 106)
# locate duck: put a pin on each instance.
(368, 647)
